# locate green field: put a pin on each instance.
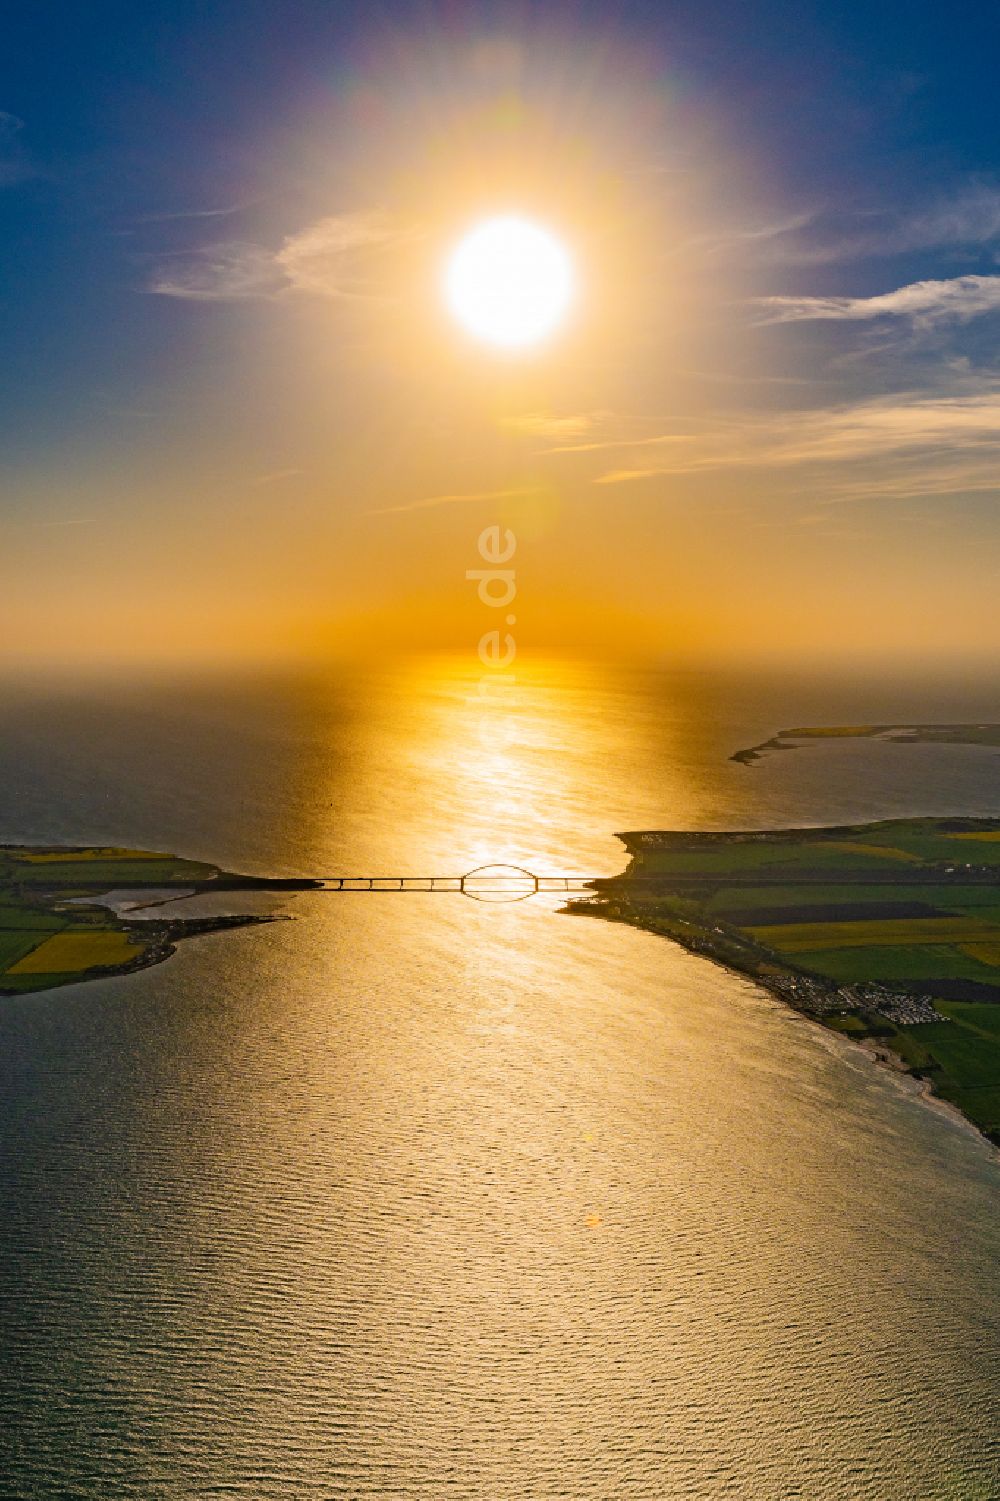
(899, 962)
(76, 950)
(16, 944)
(153, 870)
(962, 1060)
(906, 909)
(794, 937)
(43, 944)
(978, 900)
(898, 734)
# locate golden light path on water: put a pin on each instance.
(418, 1196)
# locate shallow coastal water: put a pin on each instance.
(422, 1196)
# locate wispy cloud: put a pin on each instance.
(967, 218)
(612, 436)
(911, 443)
(429, 501)
(547, 425)
(737, 236)
(229, 272)
(65, 521)
(15, 163)
(331, 258)
(924, 303)
(169, 216)
(274, 476)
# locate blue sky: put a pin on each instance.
(118, 112)
(821, 183)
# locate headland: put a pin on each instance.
(888, 933)
(60, 924)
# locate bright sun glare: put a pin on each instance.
(509, 282)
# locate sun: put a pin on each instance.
(509, 282)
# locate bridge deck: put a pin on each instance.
(508, 885)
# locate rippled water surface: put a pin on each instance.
(418, 1196)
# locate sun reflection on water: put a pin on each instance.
(447, 779)
(418, 1187)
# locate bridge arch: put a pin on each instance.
(499, 883)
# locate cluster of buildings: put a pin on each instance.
(820, 998)
(903, 1009)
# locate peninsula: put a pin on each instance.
(896, 734)
(887, 932)
(61, 911)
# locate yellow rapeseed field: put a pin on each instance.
(63, 856)
(886, 851)
(794, 937)
(985, 953)
(824, 732)
(65, 952)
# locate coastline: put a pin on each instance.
(877, 1051)
(90, 900)
(693, 889)
(888, 734)
(71, 913)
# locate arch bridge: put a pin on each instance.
(487, 883)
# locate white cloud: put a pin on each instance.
(967, 218)
(194, 213)
(15, 165)
(911, 443)
(430, 501)
(331, 258)
(744, 237)
(69, 521)
(923, 302)
(228, 272)
(546, 425)
(274, 476)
